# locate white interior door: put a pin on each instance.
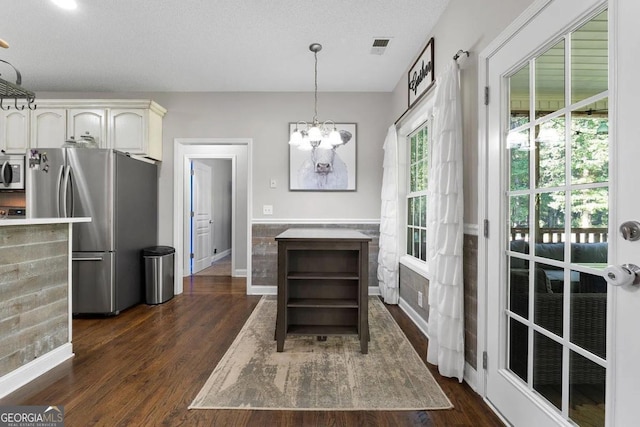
(202, 217)
(562, 344)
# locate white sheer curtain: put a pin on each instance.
(445, 230)
(388, 255)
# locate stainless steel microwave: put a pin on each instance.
(12, 172)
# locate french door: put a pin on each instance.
(558, 345)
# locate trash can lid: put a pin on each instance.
(158, 251)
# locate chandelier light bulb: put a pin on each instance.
(315, 134)
(335, 138)
(305, 145)
(296, 138)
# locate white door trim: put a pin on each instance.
(483, 59)
(181, 157)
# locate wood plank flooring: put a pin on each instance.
(145, 366)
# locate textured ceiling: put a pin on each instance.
(213, 45)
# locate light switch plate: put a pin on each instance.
(273, 183)
(267, 209)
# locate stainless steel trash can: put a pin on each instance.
(158, 273)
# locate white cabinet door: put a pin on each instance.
(128, 130)
(83, 121)
(48, 127)
(14, 131)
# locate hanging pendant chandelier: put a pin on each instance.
(308, 136)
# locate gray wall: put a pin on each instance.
(466, 25)
(469, 26)
(265, 117)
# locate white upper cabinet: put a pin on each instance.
(137, 130)
(48, 127)
(14, 131)
(92, 122)
(128, 130)
(129, 125)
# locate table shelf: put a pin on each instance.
(322, 284)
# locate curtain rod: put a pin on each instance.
(460, 53)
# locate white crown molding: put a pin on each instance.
(101, 103)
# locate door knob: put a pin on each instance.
(630, 230)
(622, 275)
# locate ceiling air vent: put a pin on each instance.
(379, 45)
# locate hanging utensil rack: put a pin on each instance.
(13, 91)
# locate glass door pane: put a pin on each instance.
(557, 214)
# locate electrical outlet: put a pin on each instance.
(267, 209)
(419, 299)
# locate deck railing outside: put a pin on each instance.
(552, 235)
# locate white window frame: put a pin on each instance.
(410, 123)
(416, 195)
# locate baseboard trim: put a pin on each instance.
(415, 317)
(263, 290)
(471, 376)
(32, 370)
(273, 290)
(240, 272)
(220, 255)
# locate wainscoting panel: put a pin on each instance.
(411, 283)
(264, 251)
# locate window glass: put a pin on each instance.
(418, 171)
(550, 80)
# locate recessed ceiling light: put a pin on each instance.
(66, 4)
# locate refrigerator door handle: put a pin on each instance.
(88, 259)
(59, 192)
(65, 191)
(69, 195)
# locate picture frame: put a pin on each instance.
(421, 76)
(340, 175)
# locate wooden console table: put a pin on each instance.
(323, 284)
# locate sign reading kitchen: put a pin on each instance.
(421, 76)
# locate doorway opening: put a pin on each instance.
(237, 153)
(211, 217)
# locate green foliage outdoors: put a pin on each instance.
(589, 165)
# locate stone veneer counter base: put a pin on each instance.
(35, 292)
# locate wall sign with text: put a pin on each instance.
(421, 76)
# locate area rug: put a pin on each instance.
(321, 375)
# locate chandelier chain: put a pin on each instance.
(315, 115)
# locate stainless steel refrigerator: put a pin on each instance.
(120, 194)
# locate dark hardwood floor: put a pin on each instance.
(145, 366)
